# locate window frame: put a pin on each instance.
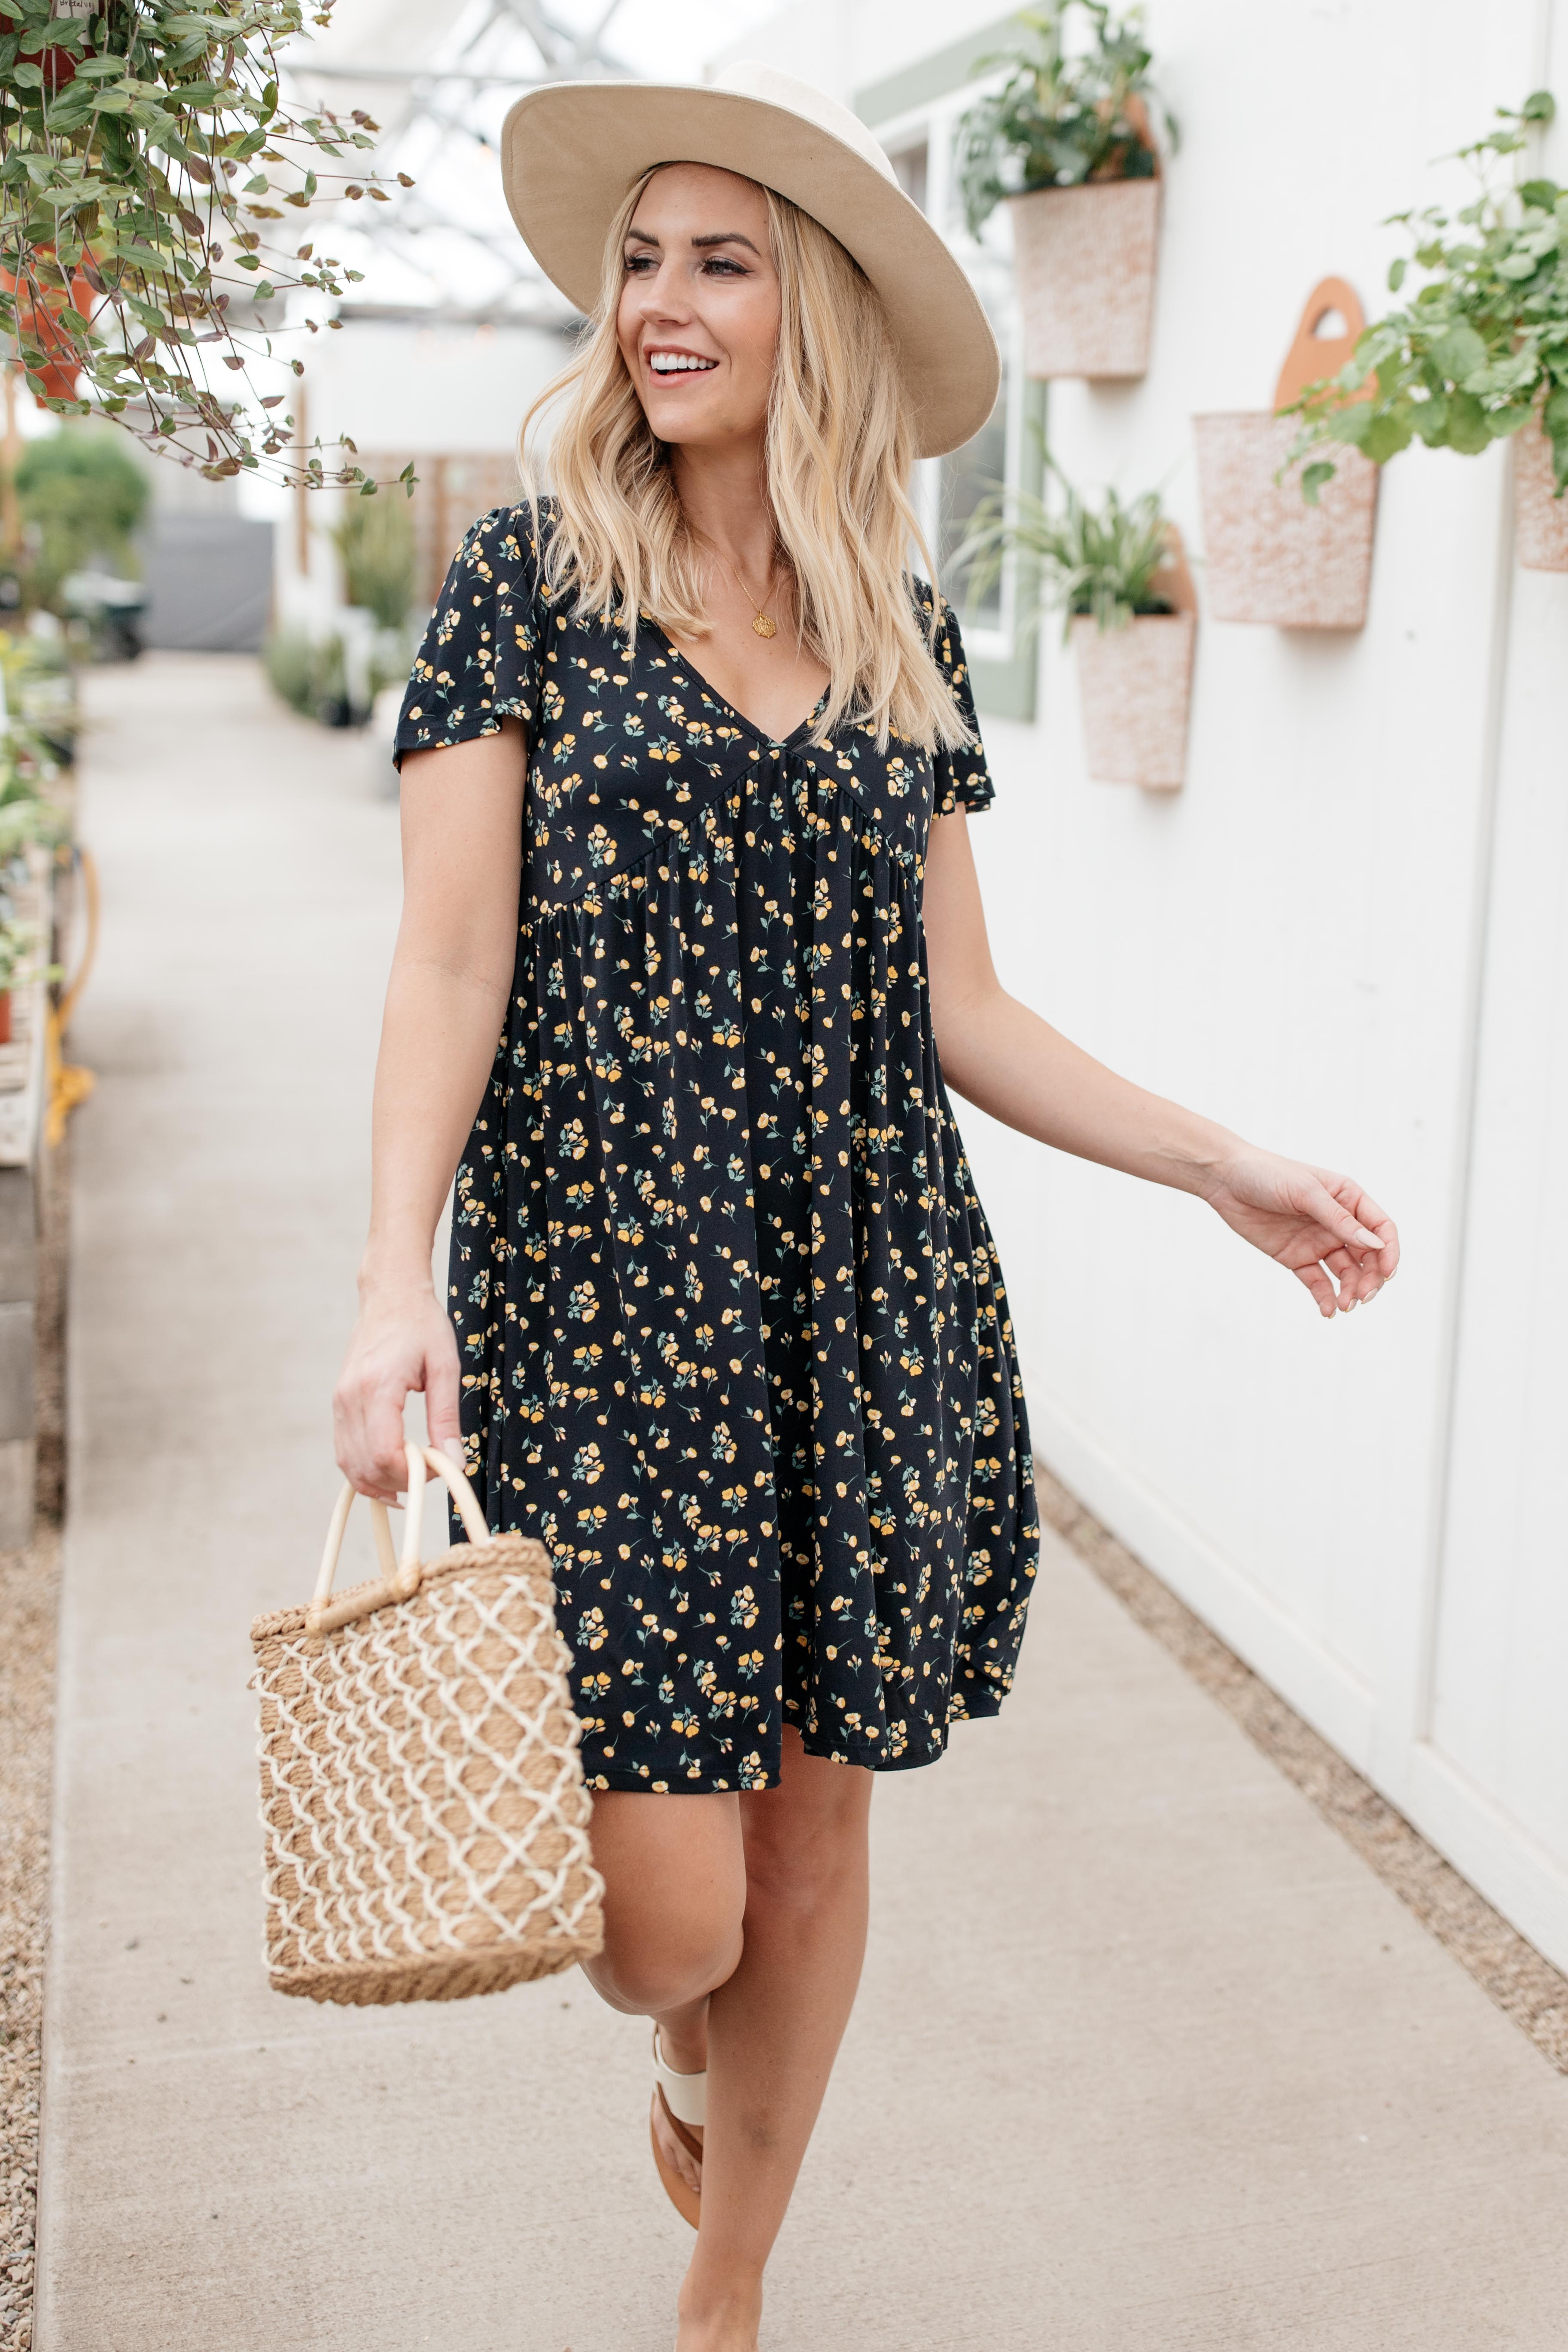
(923, 103)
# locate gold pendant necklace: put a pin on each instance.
(762, 624)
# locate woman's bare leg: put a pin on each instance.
(739, 1925)
(773, 2030)
(675, 1897)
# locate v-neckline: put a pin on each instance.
(722, 702)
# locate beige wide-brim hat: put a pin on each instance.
(572, 149)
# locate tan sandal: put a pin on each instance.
(684, 2098)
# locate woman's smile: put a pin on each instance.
(666, 361)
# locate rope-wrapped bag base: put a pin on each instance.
(422, 1804)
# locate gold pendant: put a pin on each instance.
(765, 625)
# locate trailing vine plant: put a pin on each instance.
(1061, 119)
(1481, 347)
(145, 155)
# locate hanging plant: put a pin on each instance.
(1482, 349)
(1058, 121)
(1067, 141)
(1108, 563)
(1119, 577)
(144, 154)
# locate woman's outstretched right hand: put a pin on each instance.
(402, 1340)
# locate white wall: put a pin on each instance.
(1314, 943)
(392, 384)
(397, 385)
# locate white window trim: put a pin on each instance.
(936, 122)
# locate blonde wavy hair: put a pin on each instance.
(839, 449)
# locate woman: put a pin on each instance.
(687, 758)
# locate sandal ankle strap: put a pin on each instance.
(686, 2095)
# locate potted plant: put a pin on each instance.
(30, 821)
(147, 149)
(1477, 355)
(83, 497)
(1067, 144)
(1272, 556)
(1118, 575)
(16, 942)
(374, 540)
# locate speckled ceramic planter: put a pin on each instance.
(1084, 264)
(1271, 557)
(1135, 689)
(1539, 519)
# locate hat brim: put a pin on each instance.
(571, 152)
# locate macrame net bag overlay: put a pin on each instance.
(422, 1799)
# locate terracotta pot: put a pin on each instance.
(1271, 557)
(5, 1017)
(1540, 518)
(57, 66)
(1135, 688)
(1084, 264)
(37, 319)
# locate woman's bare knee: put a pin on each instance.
(675, 1896)
(808, 1837)
(646, 1982)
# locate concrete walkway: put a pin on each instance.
(1145, 2057)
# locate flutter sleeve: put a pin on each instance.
(963, 779)
(479, 662)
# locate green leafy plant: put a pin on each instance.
(376, 544)
(314, 675)
(83, 493)
(1061, 119)
(28, 766)
(302, 671)
(41, 712)
(1481, 347)
(18, 941)
(26, 661)
(144, 153)
(1101, 561)
(28, 822)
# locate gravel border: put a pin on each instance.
(29, 1589)
(1509, 1971)
(28, 1609)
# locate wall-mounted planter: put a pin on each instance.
(1083, 261)
(1135, 689)
(1539, 519)
(1272, 558)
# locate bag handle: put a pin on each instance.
(1313, 356)
(400, 1576)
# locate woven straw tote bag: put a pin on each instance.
(422, 1800)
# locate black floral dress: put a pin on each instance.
(733, 1334)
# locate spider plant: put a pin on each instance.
(1103, 562)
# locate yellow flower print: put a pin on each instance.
(735, 1344)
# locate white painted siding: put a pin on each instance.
(1315, 943)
